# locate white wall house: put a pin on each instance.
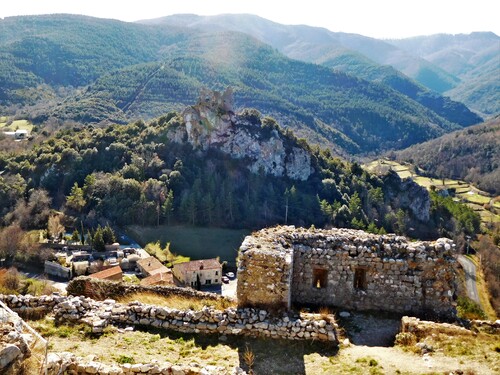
(207, 271)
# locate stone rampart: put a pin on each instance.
(346, 268)
(245, 322)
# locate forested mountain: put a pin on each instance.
(472, 155)
(207, 166)
(351, 113)
(90, 70)
(474, 58)
(352, 53)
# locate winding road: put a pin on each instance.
(470, 278)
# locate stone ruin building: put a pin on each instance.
(286, 266)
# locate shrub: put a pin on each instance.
(406, 339)
(468, 309)
(10, 280)
(122, 359)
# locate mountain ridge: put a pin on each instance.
(314, 44)
(163, 68)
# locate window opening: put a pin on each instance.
(320, 277)
(360, 279)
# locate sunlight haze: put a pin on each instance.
(379, 19)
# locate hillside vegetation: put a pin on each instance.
(396, 63)
(473, 58)
(149, 174)
(472, 155)
(88, 70)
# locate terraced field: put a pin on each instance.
(486, 206)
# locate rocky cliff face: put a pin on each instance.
(211, 123)
(408, 194)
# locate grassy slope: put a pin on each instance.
(472, 155)
(470, 354)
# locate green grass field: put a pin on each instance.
(16, 124)
(194, 242)
(475, 198)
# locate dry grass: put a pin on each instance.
(482, 290)
(178, 302)
(270, 356)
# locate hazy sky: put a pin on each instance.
(376, 18)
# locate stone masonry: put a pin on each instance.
(350, 269)
(242, 322)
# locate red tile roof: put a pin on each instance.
(196, 265)
(159, 278)
(151, 265)
(113, 271)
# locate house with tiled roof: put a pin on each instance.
(151, 266)
(112, 274)
(162, 278)
(202, 272)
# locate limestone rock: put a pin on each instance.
(211, 123)
(8, 354)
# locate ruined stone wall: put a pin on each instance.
(348, 269)
(264, 274)
(68, 363)
(242, 322)
(102, 289)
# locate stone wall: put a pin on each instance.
(245, 322)
(349, 269)
(102, 289)
(13, 347)
(68, 363)
(424, 328)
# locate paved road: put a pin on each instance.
(470, 278)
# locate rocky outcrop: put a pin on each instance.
(348, 269)
(14, 347)
(407, 194)
(211, 123)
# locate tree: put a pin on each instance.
(75, 236)
(167, 207)
(98, 240)
(34, 213)
(355, 205)
(54, 227)
(75, 200)
(108, 235)
(10, 240)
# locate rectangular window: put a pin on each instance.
(360, 278)
(320, 277)
(216, 273)
(216, 281)
(208, 282)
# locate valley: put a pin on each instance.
(229, 195)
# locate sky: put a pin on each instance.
(374, 18)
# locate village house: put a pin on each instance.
(162, 278)
(111, 274)
(151, 266)
(202, 272)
